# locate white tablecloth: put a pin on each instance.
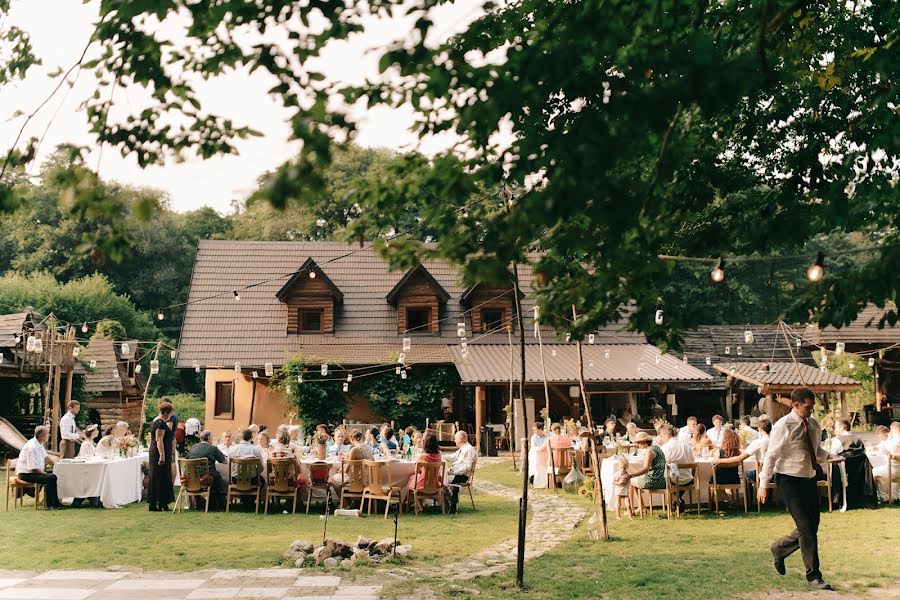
(400, 472)
(704, 474)
(116, 483)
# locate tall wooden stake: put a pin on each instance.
(595, 458)
(537, 330)
(523, 505)
(511, 415)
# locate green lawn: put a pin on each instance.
(706, 557)
(134, 536)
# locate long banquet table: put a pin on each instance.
(399, 471)
(116, 482)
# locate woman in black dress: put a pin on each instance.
(161, 438)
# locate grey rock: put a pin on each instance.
(331, 562)
(320, 554)
(382, 547)
(404, 550)
(360, 557)
(302, 546)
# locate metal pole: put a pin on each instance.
(537, 330)
(523, 506)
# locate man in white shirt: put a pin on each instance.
(889, 446)
(746, 431)
(686, 433)
(68, 430)
(244, 449)
(225, 442)
(30, 466)
(792, 457)
(714, 433)
(676, 453)
(463, 466)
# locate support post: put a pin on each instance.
(479, 415)
(844, 410)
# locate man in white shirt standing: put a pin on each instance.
(68, 430)
(714, 433)
(463, 466)
(686, 433)
(747, 431)
(30, 466)
(792, 457)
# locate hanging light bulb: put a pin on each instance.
(727, 349)
(270, 368)
(237, 296)
(851, 364)
(84, 328)
(798, 342)
(126, 349)
(299, 378)
(460, 330)
(287, 390)
(871, 362)
(606, 353)
(839, 348)
(402, 358)
(312, 274)
(403, 374)
(254, 374)
(659, 316)
(708, 361)
(196, 368)
(739, 352)
(591, 338)
(748, 337)
(658, 359)
(324, 370)
(137, 368)
(397, 371)
(816, 271)
(93, 364)
(159, 315)
(718, 274)
(553, 352)
(591, 364)
(407, 344)
(349, 377)
(568, 337)
(346, 386)
(465, 213)
(76, 352)
(237, 367)
(684, 359)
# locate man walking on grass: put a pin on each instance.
(793, 456)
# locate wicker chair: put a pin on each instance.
(318, 480)
(192, 472)
(432, 477)
(353, 481)
(245, 480)
(376, 472)
(18, 487)
(826, 483)
(282, 481)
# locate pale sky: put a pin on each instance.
(59, 30)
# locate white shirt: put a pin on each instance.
(67, 428)
(788, 451)
(685, 434)
(464, 460)
(757, 448)
(538, 440)
(715, 436)
(192, 426)
(244, 450)
(32, 457)
(87, 450)
(678, 452)
(225, 449)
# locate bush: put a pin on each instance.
(411, 400)
(317, 399)
(186, 406)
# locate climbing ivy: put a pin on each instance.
(317, 400)
(412, 400)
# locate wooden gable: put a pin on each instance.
(310, 297)
(490, 307)
(418, 298)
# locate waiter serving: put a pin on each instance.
(68, 430)
(793, 457)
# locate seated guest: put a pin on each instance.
(843, 438)
(880, 473)
(755, 449)
(651, 475)
(359, 450)
(622, 422)
(340, 445)
(110, 438)
(731, 448)
(700, 441)
(861, 485)
(432, 453)
(557, 438)
(372, 438)
(715, 432)
(294, 433)
(538, 438)
(263, 442)
(631, 431)
(205, 449)
(88, 447)
(676, 452)
(322, 431)
(686, 433)
(388, 441)
(463, 466)
(226, 442)
(244, 449)
(746, 432)
(418, 441)
(30, 466)
(406, 438)
(192, 429)
(608, 437)
(283, 449)
(882, 433)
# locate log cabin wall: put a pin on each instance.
(487, 298)
(418, 293)
(111, 408)
(310, 294)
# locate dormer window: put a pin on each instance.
(418, 298)
(493, 318)
(311, 300)
(492, 308)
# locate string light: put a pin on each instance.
(126, 349)
(84, 328)
(137, 368)
(659, 316)
(254, 374)
(460, 330)
(312, 274)
(172, 355)
(403, 374)
(553, 352)
(606, 353)
(324, 370)
(816, 271)
(299, 378)
(237, 296)
(568, 337)
(591, 338)
(748, 337)
(269, 369)
(346, 386)
(658, 359)
(76, 352)
(197, 367)
(718, 274)
(799, 342)
(871, 362)
(93, 364)
(727, 349)
(684, 359)
(739, 352)
(159, 315)
(397, 371)
(407, 344)
(708, 361)
(839, 348)
(237, 367)
(349, 377)
(402, 358)
(287, 390)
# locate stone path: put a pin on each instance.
(279, 584)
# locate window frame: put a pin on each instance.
(301, 322)
(228, 416)
(484, 322)
(428, 321)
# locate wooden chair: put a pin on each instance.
(281, 481)
(892, 477)
(375, 490)
(741, 485)
(245, 480)
(692, 488)
(192, 471)
(318, 480)
(467, 485)
(18, 487)
(432, 479)
(353, 481)
(769, 486)
(560, 465)
(826, 483)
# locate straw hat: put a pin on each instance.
(641, 436)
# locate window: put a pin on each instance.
(418, 320)
(492, 318)
(224, 400)
(311, 320)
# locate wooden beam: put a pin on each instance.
(479, 415)
(844, 410)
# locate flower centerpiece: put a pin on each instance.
(125, 445)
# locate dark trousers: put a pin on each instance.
(46, 480)
(454, 491)
(801, 497)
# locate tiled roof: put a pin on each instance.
(862, 330)
(110, 372)
(253, 331)
(722, 343)
(785, 375)
(489, 363)
(13, 324)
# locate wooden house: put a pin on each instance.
(112, 380)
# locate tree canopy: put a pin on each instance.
(634, 129)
